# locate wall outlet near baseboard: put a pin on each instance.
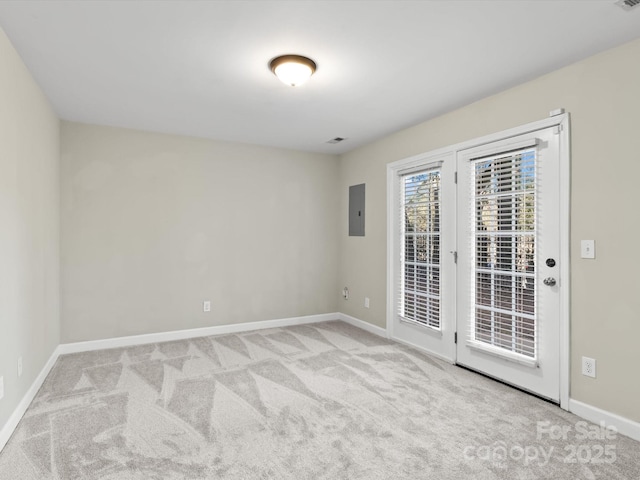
(206, 306)
(1, 387)
(19, 366)
(589, 367)
(366, 302)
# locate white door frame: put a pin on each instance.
(561, 121)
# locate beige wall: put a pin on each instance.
(154, 224)
(601, 93)
(29, 228)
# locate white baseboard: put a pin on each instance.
(191, 333)
(356, 322)
(16, 416)
(624, 425)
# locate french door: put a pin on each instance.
(475, 256)
(422, 290)
(509, 258)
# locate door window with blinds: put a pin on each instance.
(420, 252)
(503, 296)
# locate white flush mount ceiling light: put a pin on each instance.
(292, 70)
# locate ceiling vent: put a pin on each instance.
(628, 4)
(340, 139)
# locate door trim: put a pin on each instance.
(562, 123)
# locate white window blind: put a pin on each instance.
(503, 295)
(420, 252)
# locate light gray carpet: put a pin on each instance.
(324, 401)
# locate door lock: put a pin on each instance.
(549, 281)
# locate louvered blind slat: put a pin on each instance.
(503, 245)
(419, 288)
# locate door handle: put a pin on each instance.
(549, 281)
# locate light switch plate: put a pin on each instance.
(588, 248)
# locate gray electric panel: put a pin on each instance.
(356, 210)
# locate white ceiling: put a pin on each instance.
(200, 68)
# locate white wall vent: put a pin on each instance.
(628, 4)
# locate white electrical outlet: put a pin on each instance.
(1, 387)
(366, 302)
(206, 306)
(589, 367)
(19, 366)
